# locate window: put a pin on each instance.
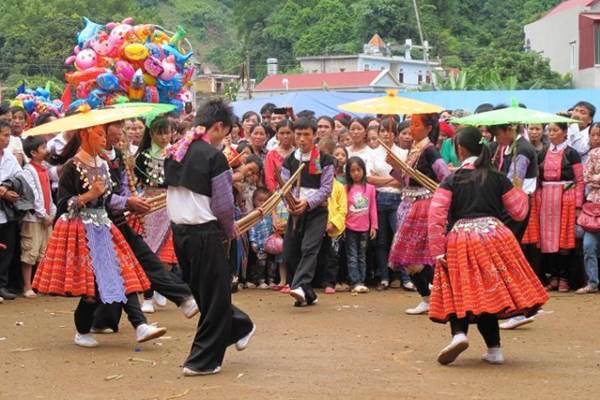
(342, 69)
(428, 78)
(597, 44)
(420, 77)
(401, 76)
(367, 67)
(572, 53)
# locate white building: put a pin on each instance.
(569, 36)
(376, 56)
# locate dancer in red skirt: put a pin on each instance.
(409, 249)
(87, 255)
(481, 274)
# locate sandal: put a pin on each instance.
(587, 289)
(552, 285)
(563, 286)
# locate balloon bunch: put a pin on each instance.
(120, 62)
(37, 102)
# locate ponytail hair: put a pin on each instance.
(471, 139)
(70, 149)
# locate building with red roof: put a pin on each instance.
(569, 36)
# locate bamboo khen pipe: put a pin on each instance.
(418, 176)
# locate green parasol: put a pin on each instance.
(511, 115)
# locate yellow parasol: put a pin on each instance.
(390, 105)
(100, 116)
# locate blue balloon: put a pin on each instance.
(180, 59)
(155, 50)
(108, 81)
(96, 98)
(29, 105)
(89, 32)
(41, 92)
(178, 105)
(75, 104)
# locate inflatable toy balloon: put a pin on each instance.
(124, 71)
(81, 76)
(151, 94)
(178, 105)
(185, 95)
(29, 105)
(153, 66)
(126, 21)
(107, 82)
(117, 99)
(76, 104)
(180, 59)
(169, 68)
(136, 89)
(136, 51)
(84, 88)
(102, 45)
(188, 74)
(178, 36)
(143, 32)
(149, 80)
(155, 50)
(159, 37)
(119, 34)
(86, 58)
(96, 98)
(42, 93)
(90, 30)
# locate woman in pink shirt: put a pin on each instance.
(361, 222)
(275, 157)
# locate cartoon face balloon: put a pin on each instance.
(102, 45)
(119, 34)
(153, 66)
(124, 71)
(86, 58)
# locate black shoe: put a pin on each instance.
(311, 296)
(6, 294)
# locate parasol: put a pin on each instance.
(390, 104)
(99, 116)
(511, 115)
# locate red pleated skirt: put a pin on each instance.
(532, 233)
(410, 245)
(66, 269)
(166, 252)
(135, 223)
(487, 273)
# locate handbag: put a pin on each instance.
(589, 218)
(274, 244)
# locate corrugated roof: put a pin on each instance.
(568, 4)
(333, 80)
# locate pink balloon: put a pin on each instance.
(124, 71)
(86, 58)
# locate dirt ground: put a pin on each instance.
(347, 347)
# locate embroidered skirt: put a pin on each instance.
(532, 233)
(486, 273)
(557, 217)
(410, 245)
(82, 257)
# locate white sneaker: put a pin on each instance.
(1, 299)
(263, 286)
(243, 342)
(459, 343)
(85, 340)
(409, 286)
(422, 308)
(493, 356)
(105, 331)
(148, 306)
(361, 289)
(146, 332)
(516, 322)
(189, 308)
(159, 299)
(192, 372)
(298, 294)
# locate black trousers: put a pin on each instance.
(86, 310)
(487, 324)
(328, 261)
(9, 237)
(422, 279)
(205, 268)
(301, 245)
(161, 280)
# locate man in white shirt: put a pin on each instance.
(578, 134)
(9, 167)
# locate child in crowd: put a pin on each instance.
(341, 155)
(280, 218)
(36, 227)
(361, 222)
(252, 173)
(258, 235)
(337, 206)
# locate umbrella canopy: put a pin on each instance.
(511, 115)
(390, 104)
(99, 116)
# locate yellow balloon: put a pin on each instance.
(149, 80)
(136, 51)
